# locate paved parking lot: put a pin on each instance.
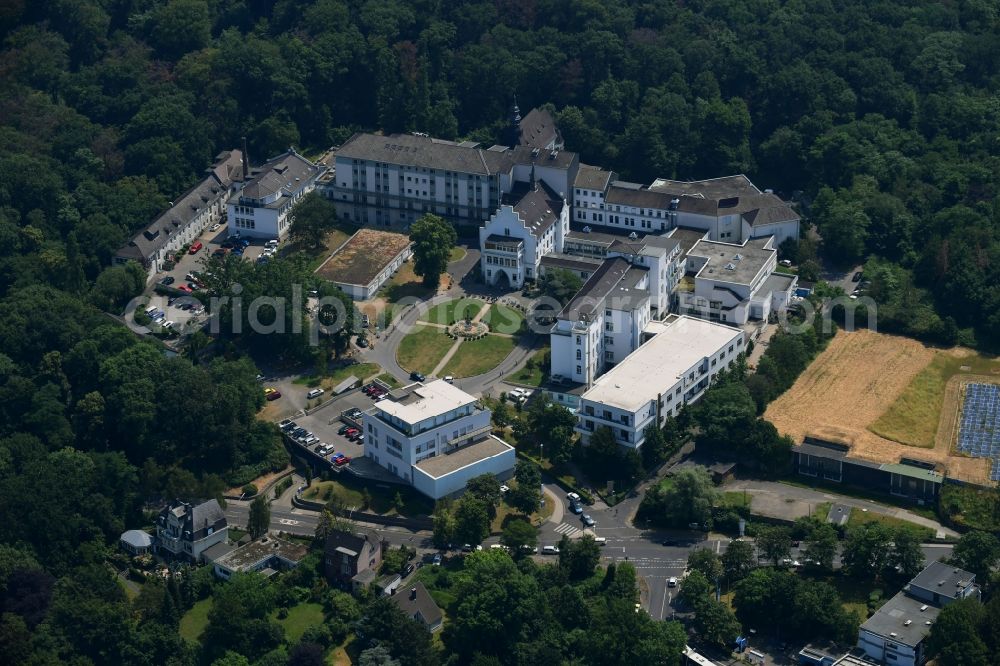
(212, 240)
(325, 422)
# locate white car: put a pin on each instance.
(167, 324)
(672, 581)
(273, 243)
(550, 550)
(504, 488)
(447, 378)
(573, 497)
(315, 393)
(215, 227)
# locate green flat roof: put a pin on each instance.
(914, 472)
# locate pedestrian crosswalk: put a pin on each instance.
(568, 530)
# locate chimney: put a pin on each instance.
(246, 161)
(413, 593)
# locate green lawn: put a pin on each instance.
(503, 319)
(736, 499)
(360, 370)
(388, 379)
(194, 621)
(451, 311)
(971, 507)
(533, 376)
(913, 418)
(423, 349)
(457, 253)
(348, 492)
(474, 357)
(299, 619)
(859, 517)
(405, 283)
(854, 594)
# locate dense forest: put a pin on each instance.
(881, 117)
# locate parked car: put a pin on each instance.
(437, 560)
(195, 246)
(587, 520)
(362, 342)
(285, 425)
(572, 497)
(185, 288)
(504, 488)
(449, 379)
(787, 263)
(272, 393)
(215, 227)
(167, 280)
(575, 507)
(315, 393)
(550, 550)
(857, 276)
(310, 440)
(343, 429)
(416, 376)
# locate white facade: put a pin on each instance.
(262, 207)
(517, 236)
(186, 219)
(729, 281)
(394, 180)
(363, 292)
(602, 324)
(671, 369)
(434, 421)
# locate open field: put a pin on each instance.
(423, 349)
(914, 418)
(362, 371)
(503, 319)
(350, 493)
(849, 386)
(533, 376)
(474, 357)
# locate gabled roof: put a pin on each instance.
(538, 208)
(425, 152)
(593, 178)
(338, 541)
(286, 173)
(418, 604)
(220, 177)
(538, 129)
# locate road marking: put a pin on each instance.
(568, 530)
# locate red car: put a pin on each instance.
(351, 432)
(195, 247)
(185, 288)
(343, 460)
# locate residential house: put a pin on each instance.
(185, 531)
(418, 604)
(352, 558)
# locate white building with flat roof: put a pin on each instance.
(672, 368)
(436, 437)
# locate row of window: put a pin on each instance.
(244, 223)
(501, 261)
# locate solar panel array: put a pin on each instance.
(979, 431)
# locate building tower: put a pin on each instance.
(515, 125)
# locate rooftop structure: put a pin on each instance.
(538, 130)
(452, 461)
(600, 285)
(593, 178)
(539, 207)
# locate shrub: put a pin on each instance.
(249, 490)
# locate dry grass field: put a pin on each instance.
(864, 381)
